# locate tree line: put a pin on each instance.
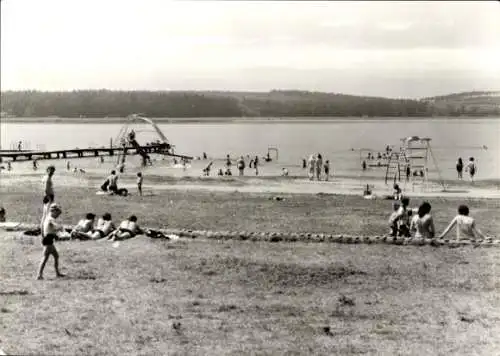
(189, 104)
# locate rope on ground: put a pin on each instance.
(300, 237)
(321, 237)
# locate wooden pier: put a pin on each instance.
(19, 156)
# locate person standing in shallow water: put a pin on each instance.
(256, 165)
(241, 166)
(471, 168)
(312, 166)
(319, 166)
(327, 169)
(460, 167)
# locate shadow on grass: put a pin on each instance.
(81, 275)
(15, 292)
(273, 275)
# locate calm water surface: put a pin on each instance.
(334, 139)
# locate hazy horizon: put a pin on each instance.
(383, 49)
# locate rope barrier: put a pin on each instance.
(300, 237)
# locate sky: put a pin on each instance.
(393, 49)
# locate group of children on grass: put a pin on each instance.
(407, 222)
(402, 223)
(84, 230)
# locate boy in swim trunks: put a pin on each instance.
(49, 234)
(104, 227)
(85, 228)
(128, 229)
(48, 184)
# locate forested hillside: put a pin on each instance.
(276, 103)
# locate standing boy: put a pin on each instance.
(48, 184)
(49, 234)
(139, 183)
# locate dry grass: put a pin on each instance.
(239, 297)
(213, 298)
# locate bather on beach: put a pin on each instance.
(466, 225)
(319, 166)
(422, 223)
(311, 162)
(127, 229)
(85, 228)
(105, 226)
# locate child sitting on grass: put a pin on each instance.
(401, 218)
(393, 223)
(105, 226)
(85, 228)
(466, 225)
(49, 234)
(422, 223)
(128, 229)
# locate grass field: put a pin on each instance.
(204, 297)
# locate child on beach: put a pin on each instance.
(422, 224)
(48, 184)
(104, 227)
(312, 166)
(319, 166)
(128, 229)
(85, 228)
(402, 218)
(460, 167)
(393, 223)
(2, 214)
(139, 183)
(113, 182)
(397, 192)
(241, 166)
(327, 169)
(471, 168)
(49, 234)
(466, 225)
(206, 170)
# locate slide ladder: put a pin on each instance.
(396, 166)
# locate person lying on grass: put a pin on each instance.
(422, 223)
(49, 234)
(105, 226)
(466, 225)
(128, 229)
(85, 228)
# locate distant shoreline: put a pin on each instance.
(229, 120)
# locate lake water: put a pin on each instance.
(335, 139)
